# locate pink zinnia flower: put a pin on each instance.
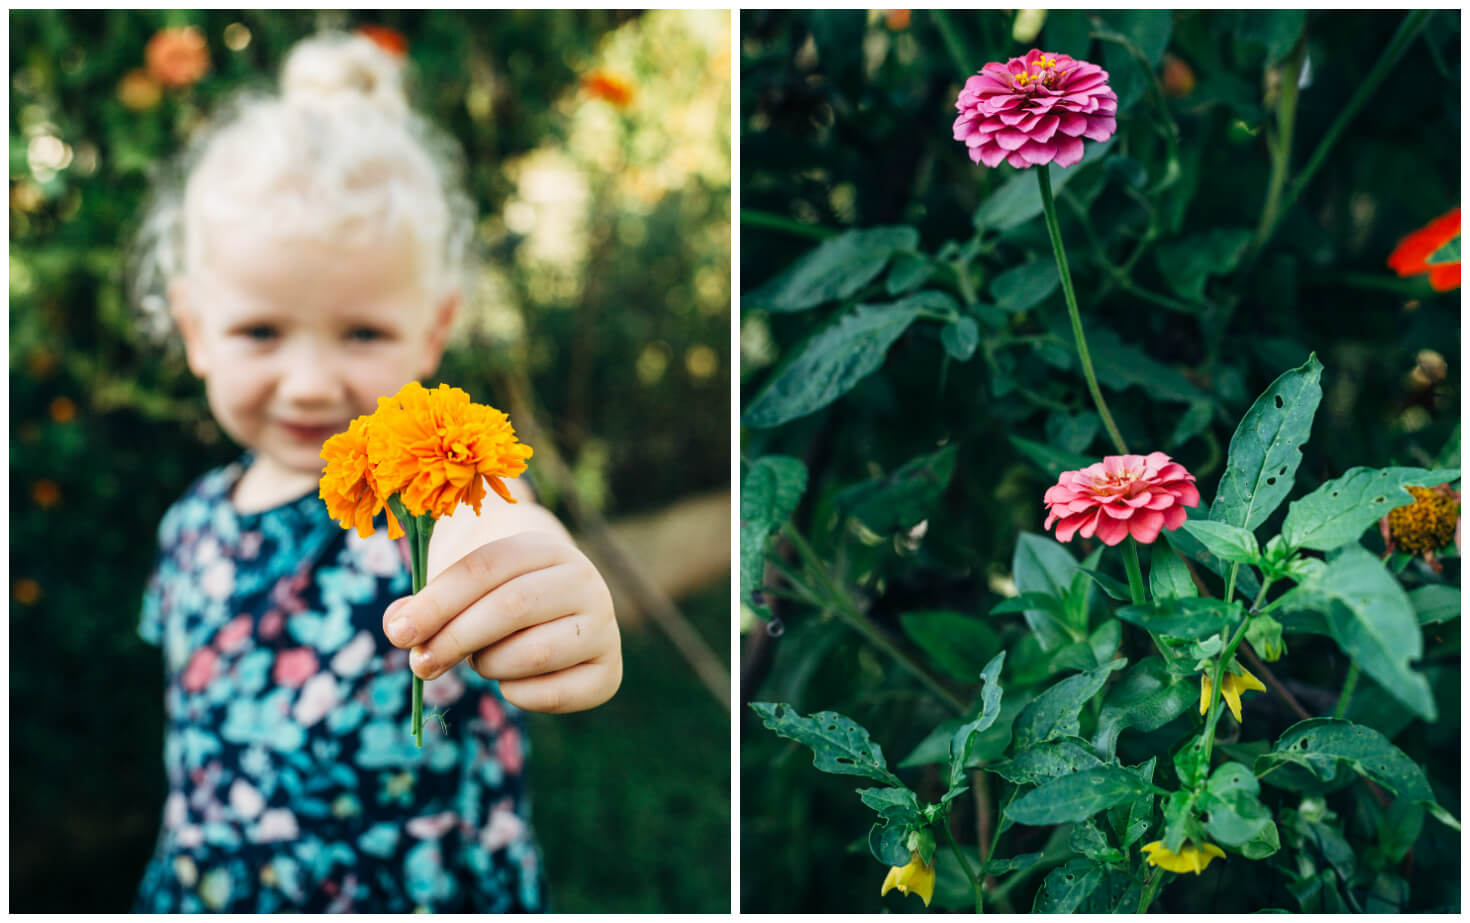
(1122, 495)
(1033, 110)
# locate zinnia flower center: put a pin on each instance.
(1046, 75)
(1426, 525)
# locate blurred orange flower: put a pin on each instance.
(436, 449)
(1435, 249)
(177, 57)
(603, 85)
(45, 493)
(138, 91)
(348, 487)
(897, 20)
(63, 410)
(26, 591)
(1178, 77)
(390, 40)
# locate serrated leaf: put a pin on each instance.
(1019, 199)
(1054, 713)
(1337, 512)
(769, 493)
(1266, 448)
(963, 741)
(837, 268)
(833, 361)
(839, 744)
(1435, 603)
(1369, 615)
(1022, 287)
(1146, 698)
(1168, 575)
(1040, 565)
(958, 644)
(907, 272)
(960, 338)
(1184, 618)
(905, 496)
(1227, 542)
(1067, 886)
(1049, 760)
(1321, 744)
(1188, 263)
(1077, 796)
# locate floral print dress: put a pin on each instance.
(293, 781)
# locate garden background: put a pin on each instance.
(1204, 270)
(599, 154)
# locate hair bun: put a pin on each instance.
(330, 67)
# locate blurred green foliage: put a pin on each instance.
(1191, 308)
(622, 333)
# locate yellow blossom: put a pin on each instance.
(1231, 688)
(914, 878)
(1190, 859)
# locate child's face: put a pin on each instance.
(293, 342)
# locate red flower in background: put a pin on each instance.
(1435, 249)
(390, 40)
(177, 57)
(605, 86)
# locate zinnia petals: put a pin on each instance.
(1121, 495)
(1413, 254)
(1044, 105)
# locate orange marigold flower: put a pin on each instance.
(897, 21)
(1426, 526)
(45, 493)
(26, 591)
(138, 91)
(348, 487)
(177, 57)
(63, 410)
(390, 40)
(606, 86)
(436, 449)
(1435, 249)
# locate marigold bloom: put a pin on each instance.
(1189, 859)
(914, 878)
(45, 493)
(436, 449)
(63, 409)
(1420, 252)
(609, 87)
(390, 40)
(348, 486)
(1034, 110)
(177, 57)
(1231, 688)
(1122, 495)
(1425, 526)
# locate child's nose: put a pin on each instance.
(308, 377)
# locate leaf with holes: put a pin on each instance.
(1267, 448)
(1067, 886)
(839, 744)
(897, 804)
(1055, 712)
(1337, 512)
(1231, 808)
(1049, 760)
(1077, 796)
(1131, 820)
(768, 496)
(1198, 617)
(836, 269)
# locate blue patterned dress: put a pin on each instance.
(294, 783)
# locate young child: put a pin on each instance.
(312, 259)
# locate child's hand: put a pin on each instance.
(530, 611)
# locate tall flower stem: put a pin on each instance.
(964, 864)
(417, 530)
(1150, 889)
(1213, 717)
(1280, 144)
(1049, 206)
(1348, 685)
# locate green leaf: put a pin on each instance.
(1112, 586)
(1024, 286)
(1229, 543)
(1147, 698)
(1120, 365)
(888, 842)
(1337, 512)
(1088, 840)
(1187, 264)
(1054, 713)
(962, 743)
(1100, 647)
(958, 644)
(960, 338)
(907, 272)
(1435, 603)
(1246, 583)
(1041, 565)
(1067, 886)
(1049, 760)
(1267, 448)
(836, 269)
(772, 487)
(1264, 844)
(1072, 432)
(1232, 811)
(1449, 253)
(1184, 618)
(1168, 575)
(1180, 821)
(897, 803)
(833, 361)
(839, 744)
(903, 498)
(1321, 745)
(1133, 820)
(1019, 199)
(1023, 601)
(1013, 863)
(1371, 618)
(1051, 460)
(1276, 30)
(1077, 796)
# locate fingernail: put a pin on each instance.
(420, 661)
(400, 630)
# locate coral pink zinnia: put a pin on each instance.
(1122, 495)
(1033, 110)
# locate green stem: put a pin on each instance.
(1213, 718)
(843, 606)
(1135, 572)
(964, 864)
(1049, 206)
(1150, 889)
(1348, 685)
(1281, 144)
(953, 44)
(750, 217)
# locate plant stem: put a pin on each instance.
(1281, 144)
(760, 219)
(964, 864)
(1149, 890)
(1213, 718)
(958, 53)
(1049, 206)
(843, 606)
(1135, 572)
(1348, 685)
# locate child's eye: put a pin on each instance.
(366, 334)
(258, 332)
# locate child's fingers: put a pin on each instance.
(578, 688)
(546, 648)
(411, 620)
(527, 600)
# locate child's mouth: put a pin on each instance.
(316, 434)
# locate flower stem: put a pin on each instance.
(1135, 572)
(1348, 685)
(1281, 144)
(1215, 689)
(964, 864)
(1049, 206)
(1150, 889)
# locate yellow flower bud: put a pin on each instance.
(1188, 859)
